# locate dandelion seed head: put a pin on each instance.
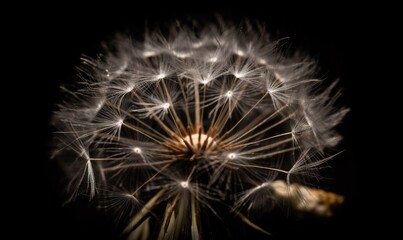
(229, 94)
(165, 105)
(205, 81)
(137, 150)
(231, 156)
(129, 88)
(184, 184)
(160, 76)
(239, 75)
(220, 108)
(119, 122)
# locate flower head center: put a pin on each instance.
(196, 144)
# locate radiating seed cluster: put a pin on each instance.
(175, 123)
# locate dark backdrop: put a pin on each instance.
(59, 34)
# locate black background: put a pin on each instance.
(55, 37)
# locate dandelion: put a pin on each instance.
(167, 129)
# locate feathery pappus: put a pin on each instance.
(173, 128)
